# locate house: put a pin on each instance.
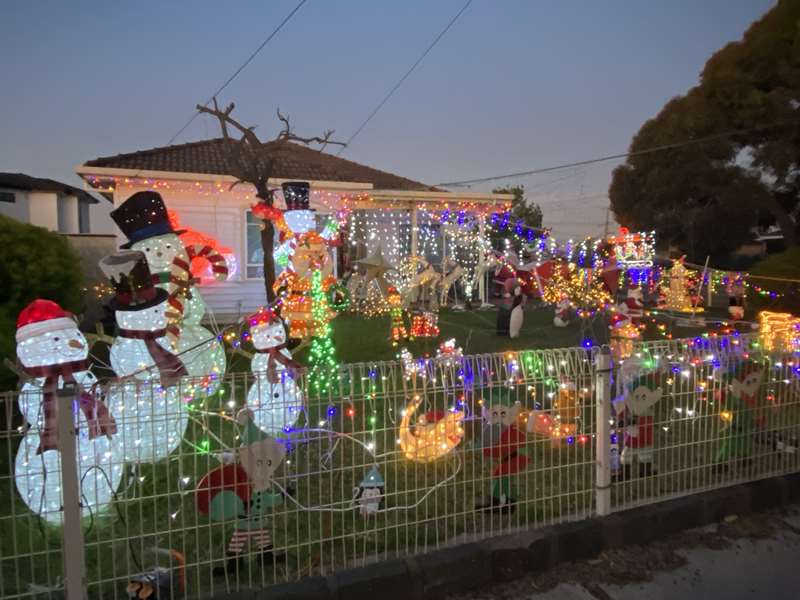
(397, 213)
(46, 203)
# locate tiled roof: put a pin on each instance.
(21, 181)
(294, 161)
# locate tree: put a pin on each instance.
(252, 161)
(528, 213)
(742, 170)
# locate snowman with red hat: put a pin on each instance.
(241, 493)
(144, 220)
(53, 353)
(150, 396)
(274, 397)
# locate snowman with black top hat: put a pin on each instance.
(149, 398)
(144, 220)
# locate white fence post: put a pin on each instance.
(72, 549)
(603, 431)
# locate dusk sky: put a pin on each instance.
(512, 86)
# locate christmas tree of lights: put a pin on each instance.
(323, 366)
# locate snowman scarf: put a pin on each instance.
(170, 367)
(275, 357)
(99, 420)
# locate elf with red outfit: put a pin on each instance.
(503, 442)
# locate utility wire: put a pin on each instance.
(404, 77)
(468, 182)
(239, 70)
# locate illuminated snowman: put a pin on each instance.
(151, 402)
(143, 219)
(274, 397)
(53, 352)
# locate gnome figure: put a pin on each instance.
(274, 398)
(562, 313)
(369, 494)
(242, 492)
(741, 415)
(637, 411)
(502, 441)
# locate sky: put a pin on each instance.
(513, 86)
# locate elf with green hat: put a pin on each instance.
(503, 442)
(741, 413)
(641, 395)
(241, 492)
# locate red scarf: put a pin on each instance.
(275, 357)
(170, 367)
(100, 421)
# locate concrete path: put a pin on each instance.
(756, 557)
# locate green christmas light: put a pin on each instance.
(323, 366)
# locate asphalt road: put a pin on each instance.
(742, 559)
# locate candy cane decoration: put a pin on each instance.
(180, 274)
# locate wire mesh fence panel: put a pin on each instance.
(700, 414)
(185, 493)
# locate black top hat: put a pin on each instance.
(143, 216)
(133, 283)
(295, 193)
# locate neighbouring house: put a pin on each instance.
(399, 214)
(46, 203)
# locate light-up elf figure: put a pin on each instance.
(274, 397)
(504, 442)
(242, 493)
(53, 352)
(742, 415)
(149, 400)
(144, 220)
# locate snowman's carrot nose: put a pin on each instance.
(75, 344)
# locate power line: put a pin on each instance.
(468, 182)
(404, 77)
(239, 70)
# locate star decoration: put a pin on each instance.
(375, 267)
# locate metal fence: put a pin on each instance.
(394, 458)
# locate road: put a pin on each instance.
(746, 558)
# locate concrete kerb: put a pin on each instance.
(503, 558)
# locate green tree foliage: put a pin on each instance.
(521, 210)
(36, 264)
(705, 197)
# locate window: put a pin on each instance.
(7, 197)
(83, 217)
(255, 254)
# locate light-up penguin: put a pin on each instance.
(144, 220)
(53, 352)
(274, 397)
(150, 399)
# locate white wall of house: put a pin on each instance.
(18, 209)
(99, 219)
(223, 216)
(67, 210)
(43, 207)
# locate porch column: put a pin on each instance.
(481, 260)
(414, 223)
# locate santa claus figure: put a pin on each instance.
(502, 442)
(641, 396)
(634, 302)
